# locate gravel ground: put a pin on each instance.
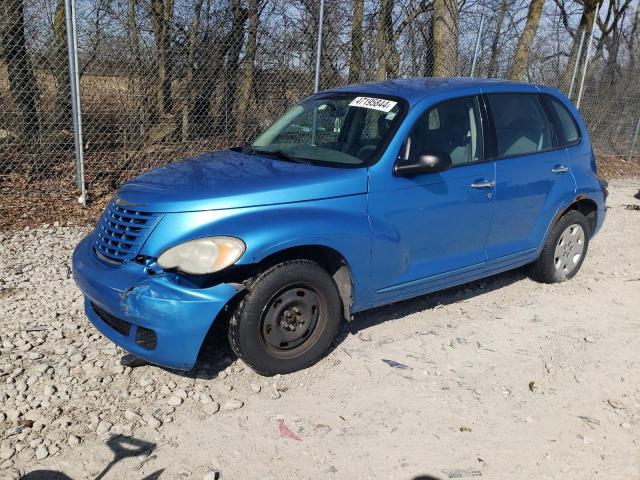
(503, 378)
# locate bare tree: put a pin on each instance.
(495, 42)
(235, 41)
(22, 81)
(445, 38)
(587, 18)
(633, 40)
(60, 68)
(357, 40)
(187, 106)
(139, 83)
(521, 58)
(161, 20)
(248, 72)
(224, 66)
(387, 37)
(133, 34)
(384, 36)
(611, 29)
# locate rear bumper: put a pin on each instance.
(600, 218)
(179, 316)
(602, 206)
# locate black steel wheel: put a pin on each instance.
(290, 318)
(287, 319)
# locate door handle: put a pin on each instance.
(483, 184)
(560, 169)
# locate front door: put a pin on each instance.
(429, 231)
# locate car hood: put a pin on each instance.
(230, 179)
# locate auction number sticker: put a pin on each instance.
(374, 103)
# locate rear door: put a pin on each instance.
(533, 176)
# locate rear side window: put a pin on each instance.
(522, 127)
(568, 133)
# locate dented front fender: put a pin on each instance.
(179, 315)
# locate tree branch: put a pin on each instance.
(565, 17)
(423, 7)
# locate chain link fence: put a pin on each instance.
(165, 79)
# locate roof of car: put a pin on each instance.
(415, 89)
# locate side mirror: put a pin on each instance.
(428, 162)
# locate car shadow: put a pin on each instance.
(394, 311)
(122, 447)
(216, 354)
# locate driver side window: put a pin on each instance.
(452, 127)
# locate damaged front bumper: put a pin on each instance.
(150, 315)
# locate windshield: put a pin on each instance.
(338, 129)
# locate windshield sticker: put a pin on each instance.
(374, 103)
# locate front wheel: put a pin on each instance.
(287, 319)
(564, 250)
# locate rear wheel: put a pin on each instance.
(564, 250)
(287, 319)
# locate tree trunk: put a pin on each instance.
(234, 43)
(586, 20)
(612, 67)
(187, 106)
(161, 19)
(521, 58)
(355, 60)
(62, 112)
(634, 41)
(384, 37)
(22, 81)
(248, 73)
(445, 38)
(495, 51)
(141, 87)
(427, 54)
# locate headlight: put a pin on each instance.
(204, 255)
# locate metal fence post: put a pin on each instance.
(74, 77)
(477, 47)
(586, 58)
(635, 138)
(575, 67)
(316, 86)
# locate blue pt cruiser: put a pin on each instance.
(357, 197)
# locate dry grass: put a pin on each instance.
(610, 167)
(31, 204)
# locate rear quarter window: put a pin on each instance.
(565, 124)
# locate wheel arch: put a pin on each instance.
(586, 206)
(328, 258)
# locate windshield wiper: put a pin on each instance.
(244, 148)
(281, 154)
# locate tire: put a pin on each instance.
(287, 319)
(558, 261)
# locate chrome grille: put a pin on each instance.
(121, 231)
